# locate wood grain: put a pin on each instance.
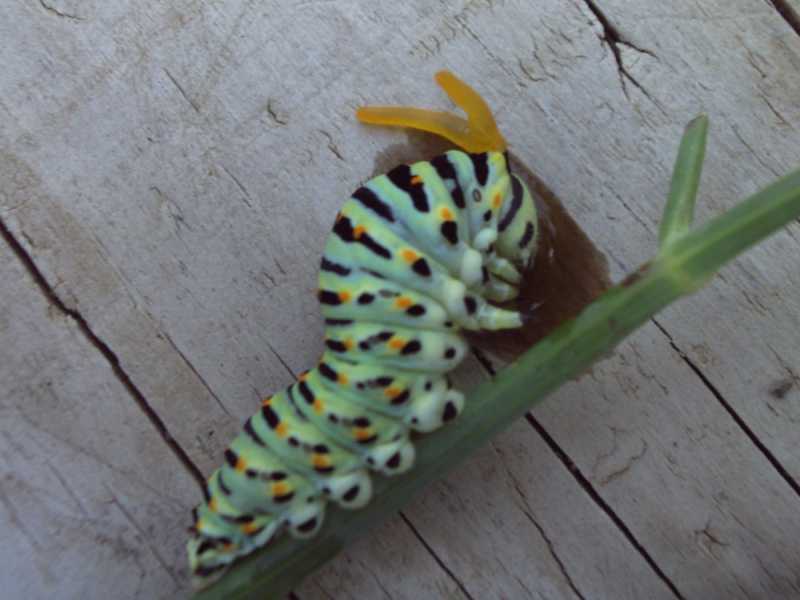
(91, 501)
(173, 169)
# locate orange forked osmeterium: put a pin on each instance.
(477, 133)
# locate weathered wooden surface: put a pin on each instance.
(91, 501)
(172, 170)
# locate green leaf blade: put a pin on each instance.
(679, 210)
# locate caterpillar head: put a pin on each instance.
(518, 231)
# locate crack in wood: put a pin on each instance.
(740, 422)
(589, 489)
(626, 467)
(174, 210)
(529, 515)
(332, 145)
(708, 540)
(754, 154)
(280, 360)
(54, 11)
(614, 39)
(146, 537)
(182, 92)
(377, 580)
(15, 520)
(67, 488)
(105, 350)
(274, 114)
(782, 120)
(247, 197)
(435, 557)
(196, 373)
(788, 13)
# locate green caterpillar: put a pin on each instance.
(415, 256)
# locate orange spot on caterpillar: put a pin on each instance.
(282, 429)
(241, 464)
(497, 200)
(358, 231)
(212, 505)
(361, 434)
(266, 401)
(446, 213)
(280, 488)
(416, 180)
(319, 406)
(392, 392)
(402, 302)
(342, 379)
(396, 343)
(250, 527)
(408, 255)
(303, 376)
(320, 460)
(344, 296)
(349, 343)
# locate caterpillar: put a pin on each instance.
(416, 256)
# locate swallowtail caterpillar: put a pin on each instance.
(415, 256)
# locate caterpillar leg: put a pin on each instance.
(471, 271)
(504, 268)
(493, 318)
(434, 404)
(484, 239)
(305, 521)
(393, 459)
(473, 312)
(351, 491)
(499, 291)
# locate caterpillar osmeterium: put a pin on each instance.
(415, 256)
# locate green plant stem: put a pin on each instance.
(679, 211)
(679, 269)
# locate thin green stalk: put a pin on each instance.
(681, 267)
(679, 211)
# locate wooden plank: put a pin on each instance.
(168, 164)
(678, 472)
(724, 552)
(744, 322)
(92, 502)
(790, 11)
(185, 232)
(510, 523)
(389, 564)
(724, 493)
(77, 263)
(80, 273)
